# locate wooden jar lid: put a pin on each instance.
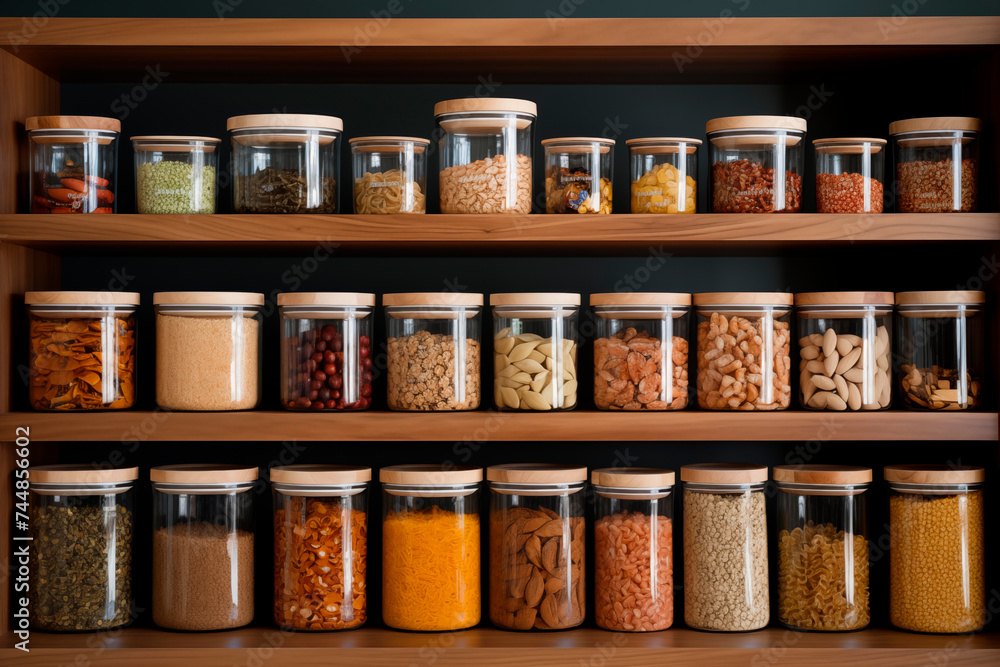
(724, 473)
(535, 299)
(633, 478)
(208, 299)
(326, 299)
(943, 123)
(72, 123)
(743, 299)
(430, 475)
(823, 474)
(756, 123)
(486, 104)
(203, 473)
(266, 121)
(61, 298)
(175, 144)
(848, 146)
(580, 145)
(320, 475)
(80, 474)
(844, 299)
(536, 473)
(942, 298)
(388, 144)
(934, 474)
(444, 299)
(640, 299)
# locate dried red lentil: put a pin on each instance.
(845, 193)
(927, 186)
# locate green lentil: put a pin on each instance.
(172, 186)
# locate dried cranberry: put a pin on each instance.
(318, 405)
(337, 344)
(366, 363)
(331, 404)
(366, 390)
(366, 376)
(324, 395)
(321, 346)
(363, 340)
(302, 402)
(315, 385)
(329, 356)
(335, 381)
(330, 369)
(364, 352)
(313, 395)
(335, 394)
(317, 358)
(329, 331)
(319, 376)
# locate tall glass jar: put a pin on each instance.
(634, 536)
(81, 522)
(845, 347)
(486, 147)
(82, 350)
(937, 164)
(203, 535)
(664, 174)
(390, 174)
(535, 338)
(942, 349)
(725, 547)
(208, 350)
(175, 174)
(326, 350)
(849, 175)
(537, 546)
(429, 331)
(579, 172)
(320, 546)
(74, 163)
(430, 547)
(632, 368)
(937, 571)
(743, 350)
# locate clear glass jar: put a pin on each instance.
(937, 164)
(578, 174)
(208, 349)
(535, 337)
(320, 546)
(81, 523)
(422, 328)
(849, 175)
(285, 163)
(82, 350)
(942, 349)
(757, 163)
(176, 174)
(823, 547)
(845, 350)
(203, 534)
(486, 148)
(659, 167)
(537, 546)
(390, 174)
(725, 547)
(326, 350)
(430, 547)
(74, 163)
(743, 350)
(634, 536)
(631, 371)
(937, 570)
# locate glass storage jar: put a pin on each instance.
(82, 520)
(634, 535)
(849, 175)
(632, 370)
(175, 174)
(578, 174)
(423, 328)
(486, 147)
(725, 546)
(660, 166)
(320, 546)
(430, 547)
(845, 350)
(285, 163)
(757, 163)
(937, 164)
(941, 344)
(74, 163)
(537, 546)
(326, 350)
(535, 337)
(82, 350)
(203, 535)
(937, 580)
(822, 547)
(749, 369)
(208, 349)
(390, 174)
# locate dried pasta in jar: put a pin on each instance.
(390, 174)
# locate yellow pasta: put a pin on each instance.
(386, 192)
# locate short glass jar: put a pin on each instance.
(285, 163)
(535, 336)
(208, 350)
(320, 546)
(937, 164)
(664, 174)
(632, 368)
(326, 350)
(937, 570)
(537, 546)
(849, 175)
(175, 174)
(757, 163)
(74, 163)
(634, 536)
(845, 347)
(725, 547)
(485, 154)
(81, 524)
(941, 349)
(390, 174)
(743, 350)
(430, 547)
(423, 329)
(578, 174)
(82, 350)
(823, 547)
(203, 542)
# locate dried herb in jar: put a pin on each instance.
(282, 191)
